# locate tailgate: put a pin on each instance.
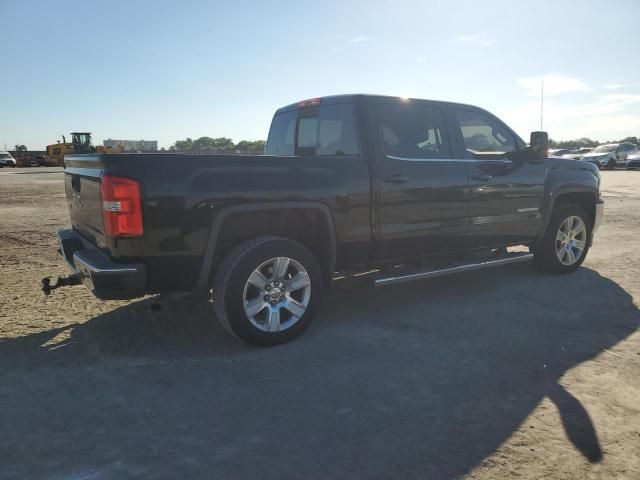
(82, 188)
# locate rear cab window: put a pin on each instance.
(325, 130)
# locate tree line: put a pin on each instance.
(226, 145)
(587, 142)
(220, 144)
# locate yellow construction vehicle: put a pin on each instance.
(80, 143)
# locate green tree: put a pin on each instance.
(20, 148)
(251, 145)
(183, 145)
(579, 142)
(219, 144)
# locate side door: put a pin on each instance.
(422, 189)
(505, 193)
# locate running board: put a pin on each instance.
(513, 258)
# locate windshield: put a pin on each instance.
(605, 149)
(5, 155)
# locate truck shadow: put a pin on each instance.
(423, 380)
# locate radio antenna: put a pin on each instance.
(541, 102)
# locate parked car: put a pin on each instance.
(559, 152)
(633, 161)
(350, 183)
(37, 161)
(7, 160)
(578, 154)
(610, 156)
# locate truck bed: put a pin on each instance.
(182, 193)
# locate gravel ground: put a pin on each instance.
(487, 375)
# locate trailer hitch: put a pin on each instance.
(69, 281)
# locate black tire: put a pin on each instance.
(611, 164)
(231, 278)
(544, 253)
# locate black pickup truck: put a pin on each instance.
(352, 183)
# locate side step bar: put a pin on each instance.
(381, 282)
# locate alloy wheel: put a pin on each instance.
(277, 294)
(571, 240)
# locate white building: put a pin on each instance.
(132, 145)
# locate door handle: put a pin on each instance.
(395, 178)
(483, 177)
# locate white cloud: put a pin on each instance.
(610, 103)
(601, 128)
(553, 85)
(476, 40)
(360, 39)
(617, 86)
(605, 117)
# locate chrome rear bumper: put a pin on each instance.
(106, 279)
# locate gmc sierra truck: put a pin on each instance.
(406, 188)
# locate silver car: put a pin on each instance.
(6, 160)
(633, 161)
(578, 154)
(610, 156)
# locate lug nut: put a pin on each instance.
(266, 297)
(268, 287)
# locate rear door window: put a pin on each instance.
(413, 130)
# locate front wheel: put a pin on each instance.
(611, 164)
(566, 242)
(267, 290)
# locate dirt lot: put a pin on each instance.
(495, 374)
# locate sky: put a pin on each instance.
(167, 70)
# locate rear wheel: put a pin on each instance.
(267, 290)
(566, 241)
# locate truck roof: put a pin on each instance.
(347, 98)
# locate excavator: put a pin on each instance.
(80, 143)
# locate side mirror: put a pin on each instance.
(539, 146)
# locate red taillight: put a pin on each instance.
(121, 207)
(312, 102)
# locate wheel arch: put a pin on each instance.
(586, 198)
(277, 215)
